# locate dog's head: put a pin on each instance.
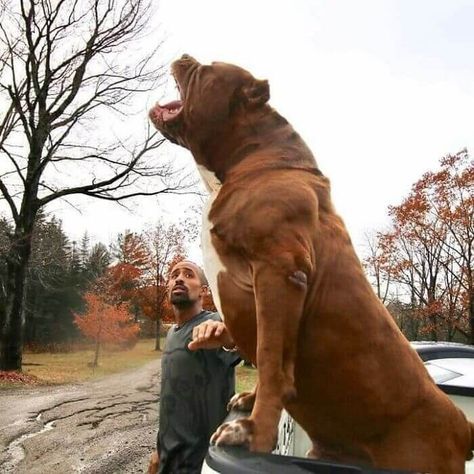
(214, 100)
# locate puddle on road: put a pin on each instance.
(16, 452)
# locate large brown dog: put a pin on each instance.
(293, 293)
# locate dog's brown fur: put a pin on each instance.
(294, 295)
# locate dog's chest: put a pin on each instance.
(212, 263)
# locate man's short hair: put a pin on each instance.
(199, 271)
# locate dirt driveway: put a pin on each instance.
(105, 426)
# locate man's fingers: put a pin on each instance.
(207, 335)
(210, 328)
(199, 332)
(200, 344)
(207, 330)
(219, 330)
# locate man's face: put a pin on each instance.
(184, 285)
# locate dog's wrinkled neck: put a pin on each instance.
(269, 131)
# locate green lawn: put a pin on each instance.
(72, 367)
(246, 378)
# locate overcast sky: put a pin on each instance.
(380, 90)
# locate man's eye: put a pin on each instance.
(189, 275)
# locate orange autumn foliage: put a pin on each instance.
(154, 303)
(208, 303)
(103, 322)
(122, 281)
(429, 252)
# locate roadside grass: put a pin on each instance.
(245, 378)
(45, 368)
(72, 367)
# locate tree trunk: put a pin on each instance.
(414, 325)
(157, 334)
(31, 312)
(432, 318)
(471, 315)
(96, 357)
(434, 330)
(13, 304)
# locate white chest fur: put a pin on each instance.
(210, 180)
(212, 263)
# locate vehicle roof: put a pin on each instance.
(440, 344)
(451, 364)
(429, 350)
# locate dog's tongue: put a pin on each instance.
(167, 111)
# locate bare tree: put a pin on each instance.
(68, 67)
(378, 264)
(429, 251)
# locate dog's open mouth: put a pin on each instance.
(166, 112)
(162, 113)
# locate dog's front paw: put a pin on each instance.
(237, 432)
(243, 401)
(243, 432)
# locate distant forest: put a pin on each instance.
(62, 272)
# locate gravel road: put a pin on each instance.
(105, 426)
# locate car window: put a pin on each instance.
(440, 374)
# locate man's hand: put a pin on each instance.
(211, 335)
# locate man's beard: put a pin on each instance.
(181, 301)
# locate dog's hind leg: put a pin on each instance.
(355, 455)
(279, 306)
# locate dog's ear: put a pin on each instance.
(256, 94)
(253, 94)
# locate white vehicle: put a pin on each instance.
(452, 367)
(450, 364)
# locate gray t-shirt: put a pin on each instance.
(195, 389)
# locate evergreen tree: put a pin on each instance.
(52, 289)
(84, 251)
(97, 262)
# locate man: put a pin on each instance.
(196, 384)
